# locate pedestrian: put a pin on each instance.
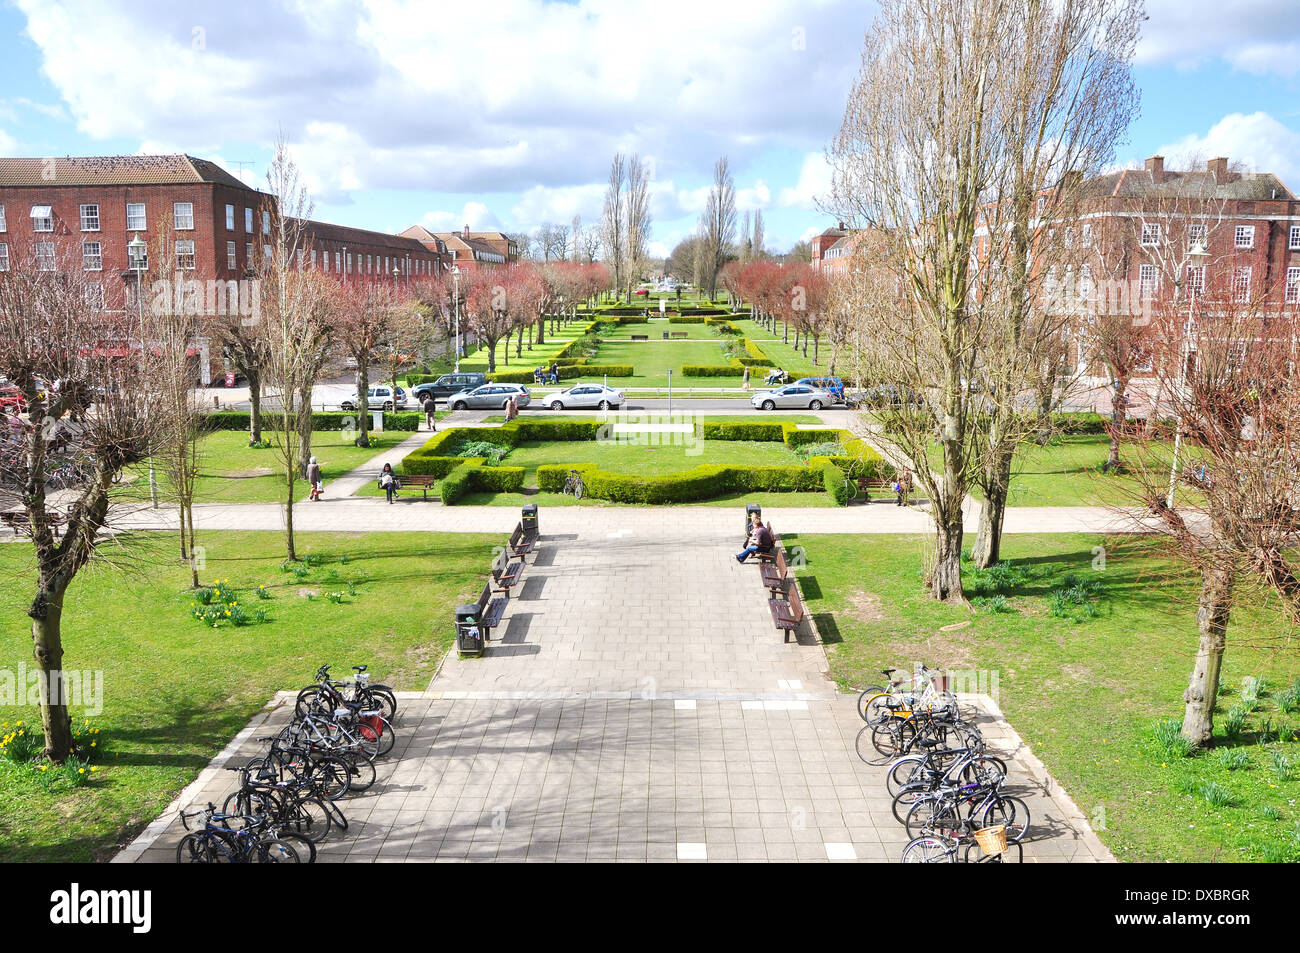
(760, 540)
(744, 380)
(388, 482)
(430, 405)
(555, 373)
(904, 486)
(314, 478)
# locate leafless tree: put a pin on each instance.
(717, 225)
(756, 250)
(614, 223)
(638, 219)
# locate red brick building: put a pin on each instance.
(467, 250)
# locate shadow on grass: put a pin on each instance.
(827, 627)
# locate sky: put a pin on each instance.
(506, 115)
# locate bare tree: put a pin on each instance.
(637, 218)
(756, 250)
(366, 316)
(244, 348)
(614, 223)
(717, 225)
(53, 328)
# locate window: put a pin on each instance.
(1085, 282)
(1042, 201)
(313, 258)
(266, 223)
(1150, 234)
(1293, 285)
(4, 256)
(1085, 235)
(248, 220)
(230, 218)
(91, 257)
(1147, 281)
(249, 260)
(138, 262)
(1196, 279)
(266, 254)
(232, 260)
(1241, 284)
(370, 265)
(1244, 236)
(183, 215)
(185, 255)
(326, 257)
(42, 218)
(3, 226)
(45, 256)
(1293, 244)
(135, 219)
(1069, 237)
(1196, 235)
(95, 296)
(90, 218)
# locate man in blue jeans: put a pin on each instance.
(760, 540)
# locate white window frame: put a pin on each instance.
(1085, 234)
(1148, 281)
(4, 256)
(94, 295)
(92, 261)
(177, 219)
(87, 218)
(46, 255)
(250, 260)
(1154, 239)
(230, 218)
(1196, 279)
(1197, 234)
(142, 223)
(1243, 236)
(43, 223)
(1293, 238)
(248, 221)
(185, 260)
(1241, 283)
(232, 256)
(4, 225)
(1293, 285)
(326, 256)
(266, 223)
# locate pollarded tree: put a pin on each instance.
(484, 294)
(367, 329)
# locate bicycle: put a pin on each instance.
(573, 485)
(219, 843)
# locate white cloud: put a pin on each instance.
(814, 183)
(8, 144)
(1257, 140)
(407, 94)
(1257, 36)
(475, 214)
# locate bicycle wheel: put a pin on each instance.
(985, 769)
(1014, 854)
(331, 776)
(892, 739)
(934, 815)
(361, 773)
(905, 772)
(865, 697)
(929, 849)
(907, 798)
(310, 700)
(303, 847)
(579, 489)
(1009, 811)
(272, 850)
(308, 817)
(195, 848)
(381, 697)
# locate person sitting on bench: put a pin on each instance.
(760, 540)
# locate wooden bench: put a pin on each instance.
(506, 572)
(787, 613)
(770, 555)
(866, 485)
(521, 543)
(640, 337)
(774, 573)
(681, 334)
(18, 522)
(490, 610)
(425, 481)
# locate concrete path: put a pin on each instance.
(636, 705)
(354, 480)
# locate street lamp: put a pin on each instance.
(136, 250)
(455, 295)
(1196, 256)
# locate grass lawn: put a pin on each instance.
(477, 358)
(784, 355)
(1085, 694)
(232, 472)
(637, 416)
(175, 690)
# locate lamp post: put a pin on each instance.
(455, 303)
(136, 250)
(1196, 256)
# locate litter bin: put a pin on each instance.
(750, 510)
(469, 636)
(528, 519)
(665, 335)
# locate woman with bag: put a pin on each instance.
(314, 478)
(388, 482)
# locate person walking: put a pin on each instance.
(430, 405)
(314, 478)
(904, 486)
(555, 373)
(744, 380)
(388, 482)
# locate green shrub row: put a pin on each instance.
(734, 369)
(833, 482)
(405, 421)
(472, 476)
(686, 318)
(700, 483)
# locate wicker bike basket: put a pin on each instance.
(992, 840)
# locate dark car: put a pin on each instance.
(449, 384)
(889, 395)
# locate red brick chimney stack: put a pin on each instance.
(1156, 166)
(1219, 167)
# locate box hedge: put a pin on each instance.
(402, 421)
(472, 476)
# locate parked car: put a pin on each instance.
(890, 395)
(833, 385)
(490, 396)
(792, 395)
(379, 397)
(12, 400)
(448, 384)
(584, 395)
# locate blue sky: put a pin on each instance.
(403, 112)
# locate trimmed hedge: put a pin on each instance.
(1080, 423)
(734, 369)
(567, 372)
(687, 318)
(472, 476)
(404, 421)
(744, 431)
(833, 481)
(700, 483)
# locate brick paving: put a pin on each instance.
(638, 705)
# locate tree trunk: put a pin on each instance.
(491, 345)
(1117, 417)
(363, 404)
(541, 331)
(47, 648)
(304, 429)
(945, 584)
(817, 340)
(1212, 626)
(1045, 418)
(290, 550)
(254, 406)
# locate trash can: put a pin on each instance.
(665, 335)
(528, 519)
(750, 510)
(469, 636)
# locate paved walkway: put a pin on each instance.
(636, 705)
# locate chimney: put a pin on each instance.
(1219, 167)
(1156, 166)
(467, 231)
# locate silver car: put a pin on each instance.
(584, 395)
(490, 397)
(792, 396)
